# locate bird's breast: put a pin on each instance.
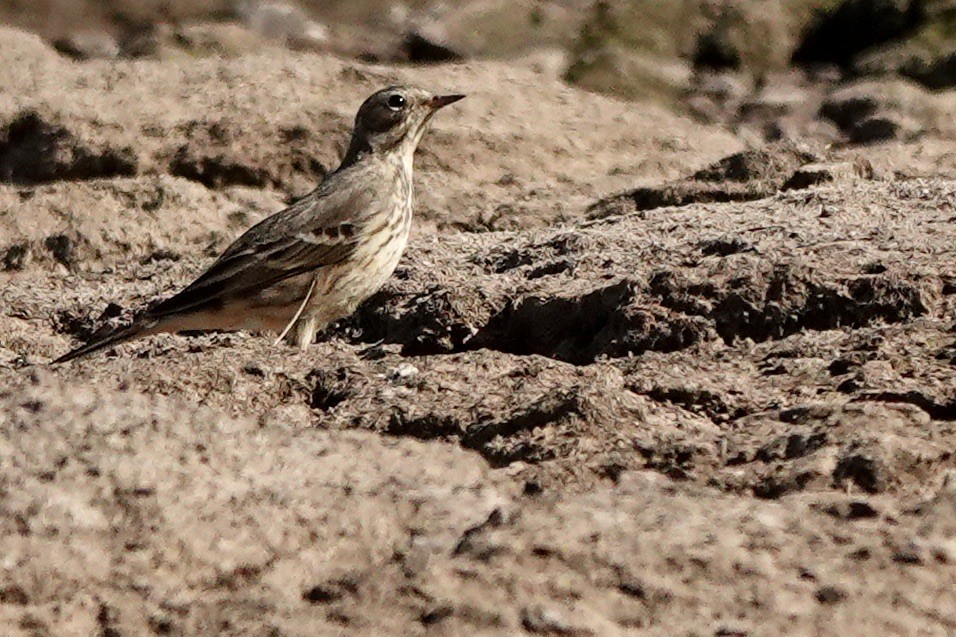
(381, 241)
(342, 287)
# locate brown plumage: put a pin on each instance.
(314, 262)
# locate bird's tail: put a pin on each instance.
(135, 330)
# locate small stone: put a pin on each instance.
(830, 594)
(815, 174)
(910, 554)
(402, 372)
(283, 22)
(14, 257)
(725, 246)
(948, 486)
(846, 110)
(944, 552)
(864, 470)
(547, 621)
(88, 45)
(420, 48)
(876, 129)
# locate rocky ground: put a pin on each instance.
(639, 372)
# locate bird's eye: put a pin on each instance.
(396, 102)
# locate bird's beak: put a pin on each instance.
(443, 100)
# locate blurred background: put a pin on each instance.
(764, 68)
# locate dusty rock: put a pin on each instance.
(786, 107)
(939, 73)
(926, 54)
(872, 110)
(753, 38)
(88, 45)
(878, 128)
(815, 174)
(709, 36)
(834, 36)
(215, 39)
(615, 70)
(283, 22)
(931, 70)
(421, 48)
(913, 158)
(745, 176)
(495, 28)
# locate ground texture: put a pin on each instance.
(632, 376)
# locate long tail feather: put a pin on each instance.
(121, 336)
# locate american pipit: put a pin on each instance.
(314, 262)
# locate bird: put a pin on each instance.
(311, 264)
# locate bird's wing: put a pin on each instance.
(321, 229)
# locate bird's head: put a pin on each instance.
(393, 119)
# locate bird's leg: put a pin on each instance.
(298, 313)
(305, 331)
